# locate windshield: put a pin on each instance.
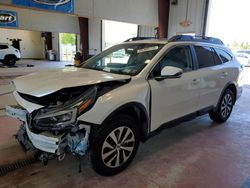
(127, 59)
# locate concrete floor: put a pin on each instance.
(198, 153)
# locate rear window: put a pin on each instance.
(225, 57)
(2, 47)
(205, 56)
(217, 60)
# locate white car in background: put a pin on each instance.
(244, 57)
(109, 107)
(8, 54)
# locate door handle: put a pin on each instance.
(195, 81)
(224, 74)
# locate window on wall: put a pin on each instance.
(116, 32)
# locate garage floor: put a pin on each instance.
(194, 154)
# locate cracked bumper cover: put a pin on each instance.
(44, 141)
(48, 143)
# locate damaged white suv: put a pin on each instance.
(112, 103)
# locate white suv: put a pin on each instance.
(109, 106)
(9, 55)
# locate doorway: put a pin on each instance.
(68, 43)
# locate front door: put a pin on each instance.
(174, 97)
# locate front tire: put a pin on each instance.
(225, 107)
(114, 145)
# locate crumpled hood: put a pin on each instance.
(46, 82)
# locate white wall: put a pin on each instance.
(142, 12)
(32, 45)
(195, 15)
(45, 21)
(94, 36)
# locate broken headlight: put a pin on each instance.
(65, 115)
(58, 119)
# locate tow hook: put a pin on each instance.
(61, 157)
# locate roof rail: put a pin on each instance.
(212, 40)
(139, 38)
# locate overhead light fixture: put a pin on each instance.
(186, 22)
(174, 2)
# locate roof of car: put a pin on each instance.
(177, 38)
(151, 41)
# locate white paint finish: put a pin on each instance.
(46, 82)
(31, 45)
(211, 85)
(35, 20)
(9, 51)
(195, 15)
(30, 107)
(135, 91)
(45, 141)
(173, 98)
(94, 36)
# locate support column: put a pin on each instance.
(204, 29)
(84, 36)
(163, 10)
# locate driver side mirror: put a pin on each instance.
(169, 72)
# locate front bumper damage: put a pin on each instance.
(47, 143)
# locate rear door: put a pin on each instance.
(212, 76)
(176, 97)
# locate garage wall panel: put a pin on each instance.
(195, 15)
(32, 45)
(142, 12)
(45, 21)
(94, 36)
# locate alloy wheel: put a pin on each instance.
(118, 146)
(226, 105)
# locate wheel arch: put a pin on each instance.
(138, 112)
(229, 85)
(9, 55)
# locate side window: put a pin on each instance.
(205, 56)
(179, 57)
(2, 47)
(217, 60)
(225, 57)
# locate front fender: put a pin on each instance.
(134, 92)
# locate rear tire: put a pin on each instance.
(225, 107)
(10, 60)
(114, 145)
